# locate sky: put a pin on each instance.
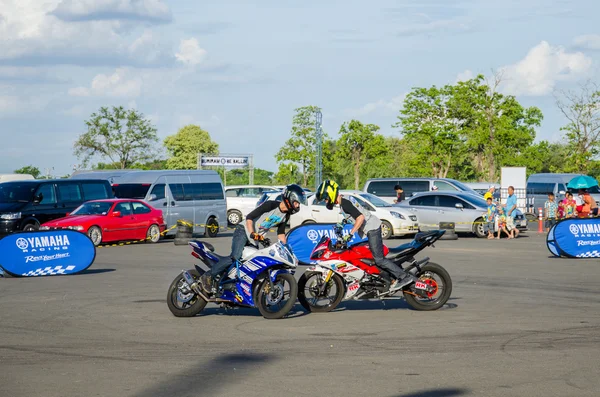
(239, 69)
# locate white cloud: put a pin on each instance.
(84, 10)
(543, 67)
(122, 83)
(588, 41)
(464, 76)
(33, 35)
(190, 52)
(391, 106)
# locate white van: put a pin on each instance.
(110, 175)
(15, 177)
(196, 196)
(241, 200)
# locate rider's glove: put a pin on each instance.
(347, 238)
(256, 236)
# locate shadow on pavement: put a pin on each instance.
(449, 392)
(387, 304)
(96, 271)
(209, 378)
(297, 311)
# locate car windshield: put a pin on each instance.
(376, 201)
(477, 201)
(461, 185)
(15, 192)
(93, 208)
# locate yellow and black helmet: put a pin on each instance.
(328, 190)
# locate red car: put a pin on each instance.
(113, 220)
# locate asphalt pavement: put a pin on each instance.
(519, 323)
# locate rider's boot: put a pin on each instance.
(402, 282)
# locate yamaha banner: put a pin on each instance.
(575, 238)
(303, 239)
(46, 253)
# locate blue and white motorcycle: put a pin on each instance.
(258, 280)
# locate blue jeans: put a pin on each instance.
(238, 242)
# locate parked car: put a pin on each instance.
(25, 205)
(384, 187)
(193, 195)
(394, 221)
(15, 177)
(464, 209)
(242, 199)
(539, 185)
(113, 220)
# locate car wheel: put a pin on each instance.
(234, 217)
(212, 227)
(31, 227)
(95, 234)
(153, 234)
(478, 228)
(386, 230)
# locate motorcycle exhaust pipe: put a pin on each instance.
(192, 283)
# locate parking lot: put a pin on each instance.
(519, 323)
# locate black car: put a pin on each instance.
(25, 205)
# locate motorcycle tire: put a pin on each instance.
(196, 307)
(339, 294)
(261, 296)
(444, 296)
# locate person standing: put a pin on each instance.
(551, 208)
(511, 210)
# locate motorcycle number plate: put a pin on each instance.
(420, 285)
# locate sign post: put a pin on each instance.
(228, 161)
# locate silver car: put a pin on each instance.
(464, 209)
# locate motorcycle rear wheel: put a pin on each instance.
(190, 308)
(425, 275)
(340, 290)
(263, 296)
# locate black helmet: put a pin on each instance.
(293, 193)
(328, 190)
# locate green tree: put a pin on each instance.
(183, 148)
(359, 143)
(428, 123)
(300, 147)
(288, 173)
(582, 111)
(123, 136)
(240, 176)
(29, 169)
(496, 128)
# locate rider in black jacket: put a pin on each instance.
(258, 222)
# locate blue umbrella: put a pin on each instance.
(582, 182)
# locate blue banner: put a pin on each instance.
(575, 238)
(303, 239)
(46, 253)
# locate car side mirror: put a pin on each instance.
(115, 214)
(67, 214)
(152, 197)
(459, 206)
(38, 198)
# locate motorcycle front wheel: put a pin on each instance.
(271, 301)
(310, 294)
(181, 299)
(435, 276)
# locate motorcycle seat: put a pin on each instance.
(401, 248)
